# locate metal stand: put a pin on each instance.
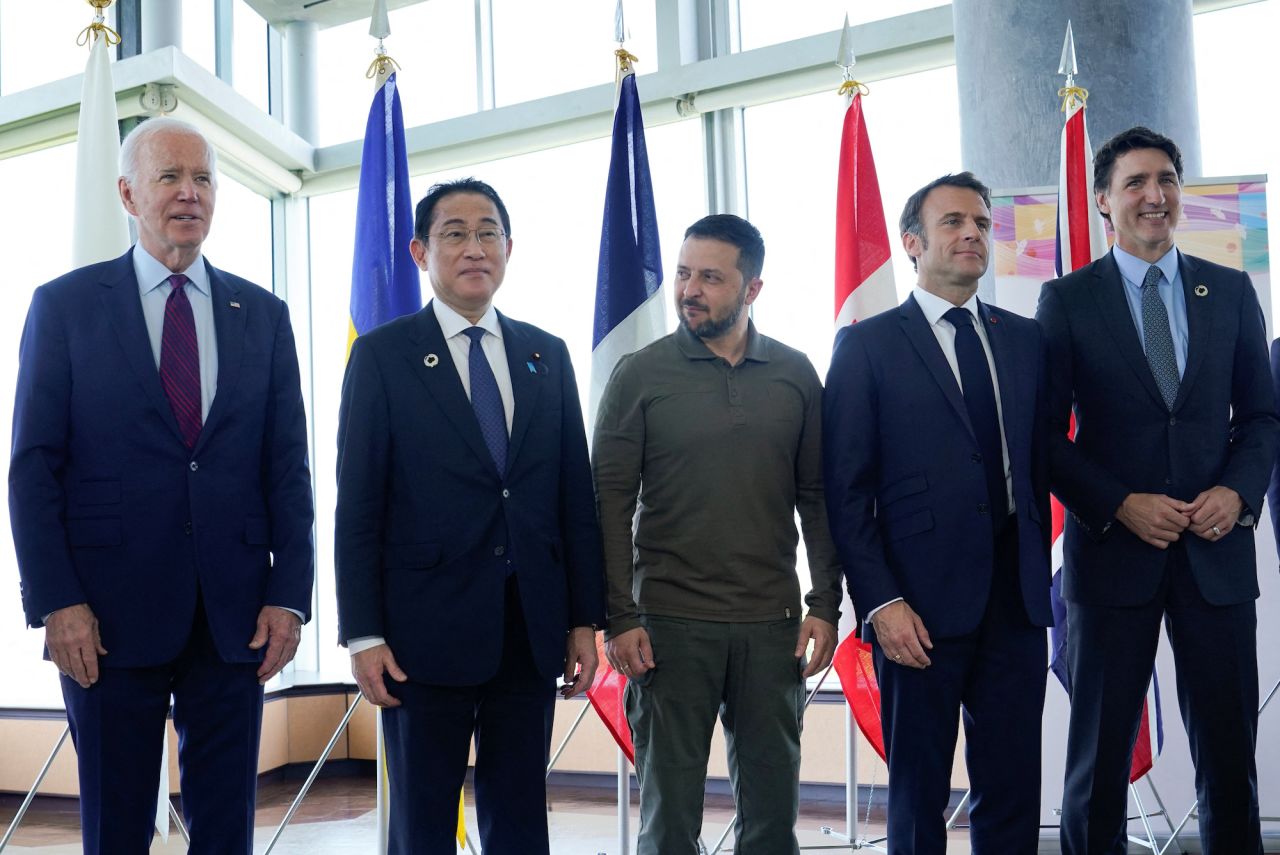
(1193, 811)
(624, 803)
(44, 770)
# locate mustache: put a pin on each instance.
(694, 304)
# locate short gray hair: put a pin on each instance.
(129, 149)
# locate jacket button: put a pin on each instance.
(194, 466)
(976, 458)
(982, 508)
(186, 527)
(500, 550)
(506, 494)
(1173, 420)
(1168, 480)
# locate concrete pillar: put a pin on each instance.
(1135, 57)
(301, 57)
(161, 24)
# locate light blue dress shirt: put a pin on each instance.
(1133, 270)
(154, 289)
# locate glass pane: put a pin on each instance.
(556, 201)
(44, 180)
(914, 124)
(198, 33)
(533, 58)
(38, 42)
(434, 44)
(768, 22)
(240, 239)
(249, 55)
(1237, 128)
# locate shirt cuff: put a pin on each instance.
(299, 614)
(363, 643)
(872, 613)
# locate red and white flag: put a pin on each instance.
(864, 275)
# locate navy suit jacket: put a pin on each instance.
(905, 486)
(1222, 428)
(426, 526)
(109, 507)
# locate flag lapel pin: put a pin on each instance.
(1202, 290)
(234, 304)
(431, 360)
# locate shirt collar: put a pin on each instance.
(452, 323)
(934, 307)
(694, 347)
(152, 274)
(1134, 269)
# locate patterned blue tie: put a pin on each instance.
(486, 400)
(980, 401)
(1157, 339)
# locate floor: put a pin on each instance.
(338, 818)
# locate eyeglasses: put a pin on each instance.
(457, 237)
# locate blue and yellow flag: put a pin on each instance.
(384, 279)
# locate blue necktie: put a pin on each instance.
(980, 401)
(1157, 339)
(486, 400)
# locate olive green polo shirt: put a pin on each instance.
(717, 458)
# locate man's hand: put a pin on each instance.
(823, 636)
(280, 630)
(71, 634)
(1214, 512)
(630, 652)
(902, 635)
(1156, 519)
(580, 661)
(367, 667)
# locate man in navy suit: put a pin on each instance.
(469, 566)
(937, 494)
(1163, 357)
(161, 505)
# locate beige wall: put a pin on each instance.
(295, 730)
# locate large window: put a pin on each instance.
(38, 42)
(435, 45)
(544, 47)
(768, 22)
(35, 238)
(249, 55)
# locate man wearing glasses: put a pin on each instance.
(467, 551)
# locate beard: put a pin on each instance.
(714, 327)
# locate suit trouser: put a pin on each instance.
(996, 677)
(428, 739)
(748, 674)
(117, 726)
(1110, 653)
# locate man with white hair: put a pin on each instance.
(161, 505)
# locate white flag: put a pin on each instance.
(101, 228)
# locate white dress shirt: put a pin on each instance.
(453, 327)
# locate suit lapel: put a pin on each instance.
(525, 383)
(442, 382)
(229, 325)
(926, 344)
(1199, 325)
(123, 306)
(1006, 366)
(1108, 292)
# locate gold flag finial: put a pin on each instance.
(625, 60)
(99, 26)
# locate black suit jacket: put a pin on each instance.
(1221, 430)
(905, 487)
(426, 528)
(109, 507)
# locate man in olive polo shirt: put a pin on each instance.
(716, 431)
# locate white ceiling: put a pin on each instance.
(326, 13)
